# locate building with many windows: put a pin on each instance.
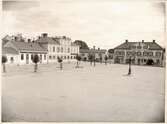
(59, 46)
(20, 51)
(98, 53)
(141, 53)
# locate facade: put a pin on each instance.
(19, 51)
(99, 53)
(11, 54)
(25, 52)
(141, 53)
(62, 47)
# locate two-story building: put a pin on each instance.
(59, 46)
(139, 52)
(98, 53)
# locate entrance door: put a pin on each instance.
(27, 58)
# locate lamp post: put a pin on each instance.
(129, 72)
(94, 56)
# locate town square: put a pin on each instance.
(83, 94)
(83, 61)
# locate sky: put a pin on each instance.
(104, 24)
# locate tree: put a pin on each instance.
(90, 57)
(150, 62)
(78, 58)
(100, 58)
(4, 60)
(35, 60)
(130, 61)
(60, 60)
(82, 44)
(106, 58)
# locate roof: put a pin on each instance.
(25, 46)
(92, 51)
(9, 50)
(151, 45)
(48, 40)
(111, 50)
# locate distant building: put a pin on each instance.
(19, 52)
(141, 53)
(61, 46)
(99, 53)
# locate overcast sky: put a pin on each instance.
(104, 23)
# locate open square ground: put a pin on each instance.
(102, 93)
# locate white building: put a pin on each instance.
(58, 47)
(18, 51)
(24, 52)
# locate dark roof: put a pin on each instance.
(92, 51)
(9, 50)
(111, 50)
(48, 40)
(24, 46)
(151, 45)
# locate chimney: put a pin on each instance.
(142, 41)
(29, 40)
(44, 35)
(126, 41)
(153, 41)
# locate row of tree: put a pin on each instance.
(36, 59)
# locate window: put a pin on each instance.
(44, 57)
(32, 56)
(150, 53)
(68, 57)
(53, 49)
(40, 57)
(68, 50)
(62, 49)
(12, 59)
(138, 53)
(22, 56)
(144, 53)
(53, 57)
(58, 49)
(158, 54)
(50, 57)
(133, 47)
(64, 57)
(71, 57)
(138, 47)
(145, 47)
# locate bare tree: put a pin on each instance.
(35, 60)
(4, 60)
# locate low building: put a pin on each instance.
(98, 53)
(19, 52)
(141, 53)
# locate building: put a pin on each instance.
(141, 53)
(99, 53)
(19, 52)
(61, 46)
